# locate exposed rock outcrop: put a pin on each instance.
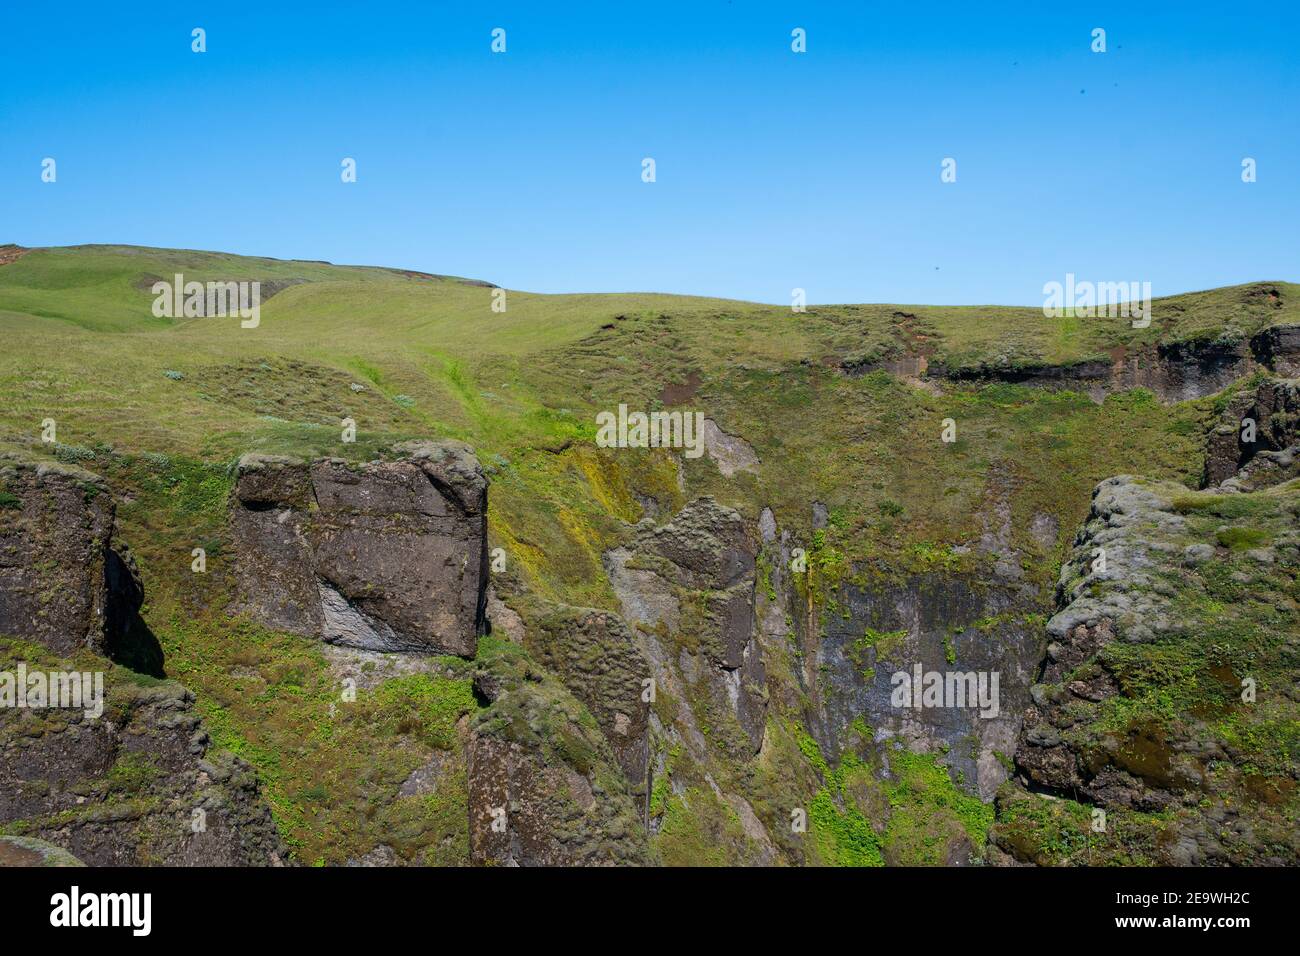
(1097, 601)
(599, 659)
(386, 556)
(946, 625)
(1267, 413)
(1278, 348)
(545, 789)
(120, 773)
(730, 453)
(64, 581)
(691, 581)
(1175, 371)
(139, 785)
(1168, 679)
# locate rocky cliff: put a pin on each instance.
(65, 581)
(649, 654)
(1260, 418)
(121, 772)
(388, 556)
(1162, 723)
(546, 786)
(1176, 371)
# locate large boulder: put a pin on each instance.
(386, 556)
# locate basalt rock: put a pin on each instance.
(1170, 613)
(946, 624)
(598, 658)
(1175, 371)
(139, 785)
(65, 581)
(1273, 411)
(545, 788)
(1098, 603)
(1278, 348)
(693, 579)
(121, 774)
(385, 556)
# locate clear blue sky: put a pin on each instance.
(775, 170)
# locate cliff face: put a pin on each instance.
(388, 556)
(1162, 727)
(1175, 371)
(945, 624)
(1258, 419)
(689, 585)
(120, 772)
(546, 788)
(391, 556)
(64, 581)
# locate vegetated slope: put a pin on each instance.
(839, 431)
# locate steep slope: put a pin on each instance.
(829, 538)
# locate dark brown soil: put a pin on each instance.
(684, 392)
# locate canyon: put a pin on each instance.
(680, 659)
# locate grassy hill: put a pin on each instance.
(163, 407)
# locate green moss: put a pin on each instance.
(700, 830)
(132, 773)
(1231, 507)
(841, 834)
(884, 643)
(1242, 539)
(926, 810)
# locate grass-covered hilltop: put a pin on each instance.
(688, 660)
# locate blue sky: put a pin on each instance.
(774, 170)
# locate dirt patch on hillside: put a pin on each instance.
(676, 394)
(11, 253)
